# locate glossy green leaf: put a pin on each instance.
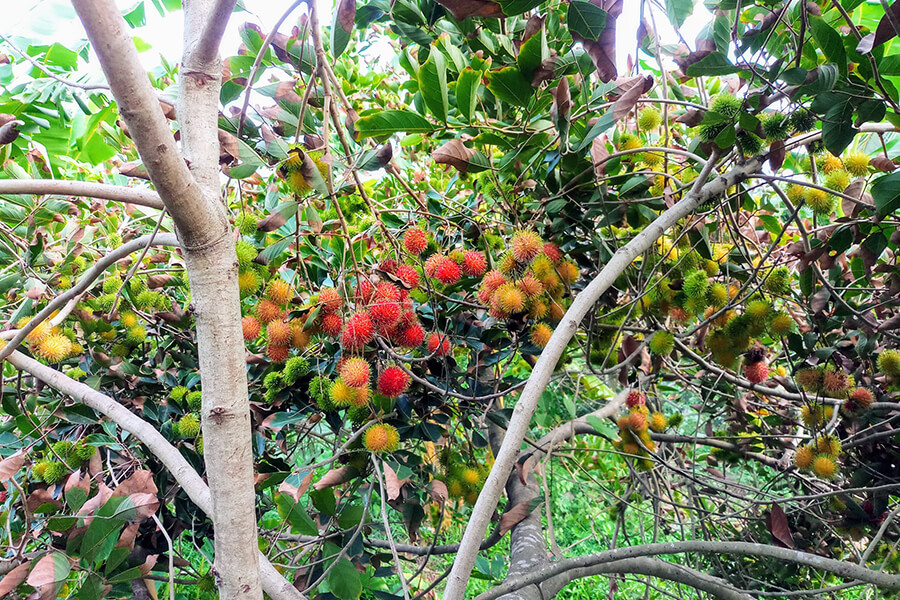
(837, 128)
(344, 580)
(586, 19)
(830, 42)
(467, 92)
(716, 63)
(387, 122)
(679, 10)
(886, 193)
(433, 84)
(508, 84)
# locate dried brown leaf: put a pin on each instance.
(514, 516)
(12, 579)
(10, 465)
(777, 523)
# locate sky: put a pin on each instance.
(55, 20)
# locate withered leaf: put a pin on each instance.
(514, 516)
(777, 524)
(10, 465)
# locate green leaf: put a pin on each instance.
(508, 84)
(387, 122)
(91, 589)
(586, 19)
(467, 92)
(716, 63)
(512, 8)
(601, 426)
(830, 42)
(726, 138)
(679, 11)
(837, 128)
(886, 194)
(433, 84)
(342, 26)
(296, 515)
(344, 580)
(533, 52)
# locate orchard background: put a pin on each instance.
(443, 298)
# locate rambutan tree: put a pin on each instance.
(433, 297)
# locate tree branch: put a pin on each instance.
(102, 191)
(842, 569)
(193, 212)
(701, 192)
(206, 49)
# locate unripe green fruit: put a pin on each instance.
(775, 126)
(696, 284)
(727, 105)
(195, 400)
(649, 119)
(246, 223)
(54, 472)
(188, 426)
(295, 368)
(662, 343)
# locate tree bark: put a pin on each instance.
(192, 197)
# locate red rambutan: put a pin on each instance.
(447, 272)
(267, 311)
(355, 372)
(526, 245)
(438, 344)
(473, 263)
(411, 336)
(392, 382)
(278, 333)
(408, 275)
(415, 241)
(277, 353)
(331, 324)
(493, 279)
(364, 291)
(553, 252)
(635, 399)
(251, 328)
(388, 265)
(329, 300)
(756, 372)
(358, 332)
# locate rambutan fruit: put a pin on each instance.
(812, 415)
(279, 291)
(362, 396)
(246, 252)
(300, 337)
(635, 399)
(779, 281)
(568, 272)
(319, 390)
(341, 394)
(392, 382)
(649, 118)
(758, 311)
(128, 319)
(834, 382)
(828, 444)
(637, 421)
(384, 312)
(552, 252)
(447, 272)
(549, 281)
(438, 344)
(358, 331)
(540, 335)
(408, 275)
(329, 300)
(717, 295)
(248, 283)
(509, 299)
(824, 467)
(267, 311)
(857, 163)
(539, 309)
(411, 336)
(821, 202)
(473, 263)
(295, 368)
(432, 263)
(415, 241)
(364, 291)
(889, 362)
(331, 324)
(492, 280)
(188, 426)
(837, 180)
(795, 192)
(662, 343)
(381, 437)
(530, 285)
(355, 372)
(542, 266)
(55, 347)
(556, 311)
(696, 284)
(277, 354)
(802, 120)
(250, 327)
(658, 422)
(41, 330)
(775, 126)
(727, 105)
(809, 379)
(525, 246)
(830, 163)
(860, 400)
(278, 333)
(749, 143)
(804, 457)
(388, 265)
(756, 372)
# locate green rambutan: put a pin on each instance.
(727, 105)
(889, 362)
(775, 126)
(696, 284)
(649, 119)
(662, 343)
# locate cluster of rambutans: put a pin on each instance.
(635, 440)
(62, 458)
(51, 343)
(531, 280)
(463, 478)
